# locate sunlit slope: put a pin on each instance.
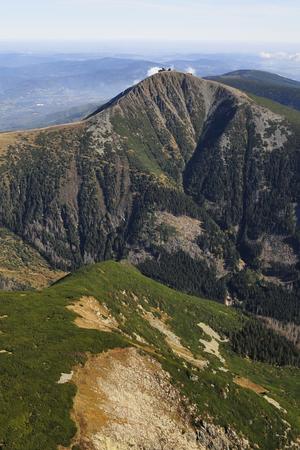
(182, 341)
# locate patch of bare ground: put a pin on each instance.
(248, 384)
(275, 250)
(274, 403)
(65, 378)
(93, 315)
(187, 227)
(125, 400)
(213, 345)
(183, 232)
(37, 278)
(173, 340)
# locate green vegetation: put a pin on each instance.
(257, 342)
(42, 342)
(194, 277)
(264, 84)
(265, 299)
(138, 147)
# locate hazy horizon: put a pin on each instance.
(51, 52)
(250, 23)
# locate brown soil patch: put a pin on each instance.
(6, 139)
(93, 315)
(37, 278)
(29, 136)
(126, 401)
(248, 384)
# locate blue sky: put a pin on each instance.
(198, 20)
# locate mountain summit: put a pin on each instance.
(80, 193)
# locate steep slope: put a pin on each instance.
(264, 84)
(108, 358)
(69, 189)
(174, 151)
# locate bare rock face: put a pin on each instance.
(125, 400)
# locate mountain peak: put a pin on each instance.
(158, 80)
(174, 89)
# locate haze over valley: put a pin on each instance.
(39, 89)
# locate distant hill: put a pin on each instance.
(264, 84)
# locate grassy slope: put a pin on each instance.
(44, 342)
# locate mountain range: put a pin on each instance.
(192, 186)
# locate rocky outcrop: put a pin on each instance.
(125, 400)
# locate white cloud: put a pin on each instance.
(153, 70)
(191, 70)
(283, 56)
(265, 55)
